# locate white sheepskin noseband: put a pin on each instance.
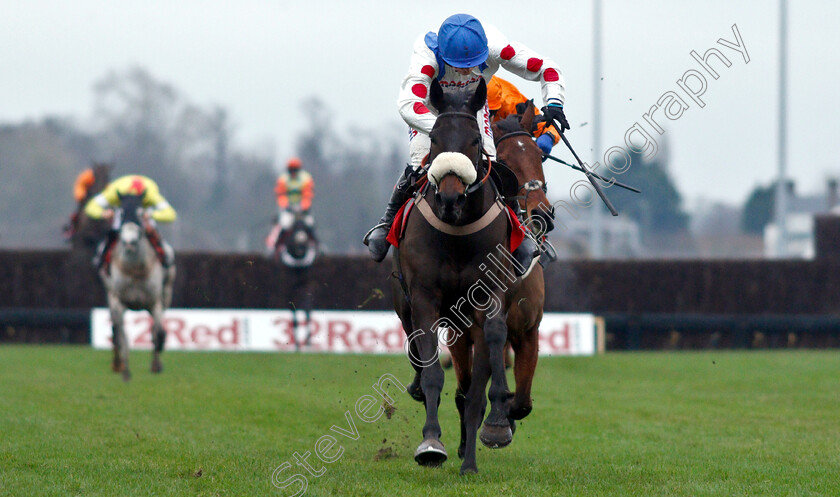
(452, 162)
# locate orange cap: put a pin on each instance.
(294, 163)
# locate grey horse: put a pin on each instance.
(136, 279)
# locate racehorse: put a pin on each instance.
(443, 260)
(136, 279)
(85, 233)
(296, 246)
(516, 148)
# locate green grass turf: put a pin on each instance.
(646, 424)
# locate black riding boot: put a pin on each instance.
(99, 258)
(375, 239)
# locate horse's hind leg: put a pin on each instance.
(120, 363)
(461, 355)
(523, 370)
(158, 337)
(475, 404)
(497, 432)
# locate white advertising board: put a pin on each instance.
(369, 332)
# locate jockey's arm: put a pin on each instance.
(525, 63)
(282, 193)
(307, 193)
(413, 101)
(162, 212)
(84, 181)
(106, 200)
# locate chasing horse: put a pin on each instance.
(294, 244)
(455, 272)
(81, 231)
(134, 263)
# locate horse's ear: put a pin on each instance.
(528, 116)
(436, 95)
(479, 98)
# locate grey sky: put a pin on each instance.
(261, 58)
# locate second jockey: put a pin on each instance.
(458, 56)
(295, 191)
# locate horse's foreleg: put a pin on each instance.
(475, 403)
(120, 340)
(425, 313)
(497, 432)
(158, 337)
(462, 363)
(527, 351)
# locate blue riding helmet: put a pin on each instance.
(462, 41)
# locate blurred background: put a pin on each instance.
(210, 99)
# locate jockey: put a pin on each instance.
(157, 207)
(503, 99)
(84, 181)
(295, 190)
(459, 55)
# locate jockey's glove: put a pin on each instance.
(546, 143)
(554, 112)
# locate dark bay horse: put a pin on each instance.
(84, 232)
(136, 280)
(297, 247)
(454, 254)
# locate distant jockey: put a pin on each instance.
(157, 210)
(459, 55)
(504, 99)
(295, 190)
(81, 190)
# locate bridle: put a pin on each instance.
(528, 186)
(477, 184)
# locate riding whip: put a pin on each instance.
(586, 171)
(578, 168)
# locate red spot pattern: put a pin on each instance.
(551, 75)
(428, 71)
(534, 64)
(137, 186)
(419, 108)
(419, 90)
(507, 53)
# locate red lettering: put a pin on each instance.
(229, 335)
(178, 330)
(367, 339)
(338, 330)
(558, 341)
(144, 338)
(201, 336)
(285, 326)
(394, 339)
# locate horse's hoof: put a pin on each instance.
(157, 367)
(416, 392)
(126, 375)
(117, 367)
(430, 453)
(496, 437)
(468, 470)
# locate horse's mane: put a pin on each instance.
(510, 124)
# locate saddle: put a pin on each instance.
(397, 231)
